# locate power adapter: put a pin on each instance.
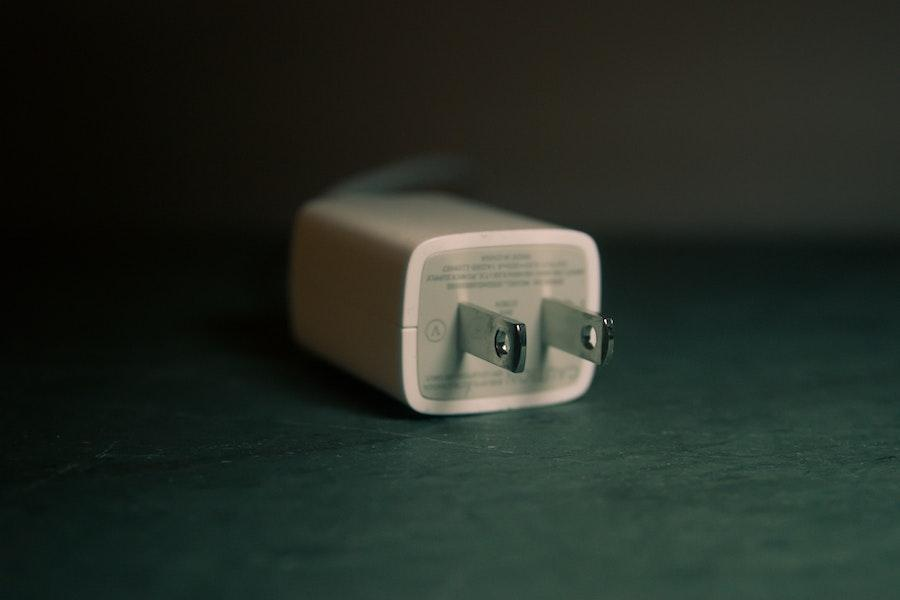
(450, 306)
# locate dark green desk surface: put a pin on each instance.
(163, 438)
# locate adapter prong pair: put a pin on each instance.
(502, 341)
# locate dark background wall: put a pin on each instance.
(622, 118)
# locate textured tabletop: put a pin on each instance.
(162, 437)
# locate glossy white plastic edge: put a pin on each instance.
(486, 239)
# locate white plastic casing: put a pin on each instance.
(358, 265)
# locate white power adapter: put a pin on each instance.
(450, 306)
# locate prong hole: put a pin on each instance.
(589, 337)
(501, 343)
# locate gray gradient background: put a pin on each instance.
(621, 118)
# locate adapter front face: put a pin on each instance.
(506, 274)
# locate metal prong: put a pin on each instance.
(492, 337)
(577, 331)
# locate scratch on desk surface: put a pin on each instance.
(58, 472)
(105, 453)
(398, 434)
(422, 437)
(68, 467)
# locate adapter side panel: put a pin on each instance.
(409, 219)
(345, 294)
